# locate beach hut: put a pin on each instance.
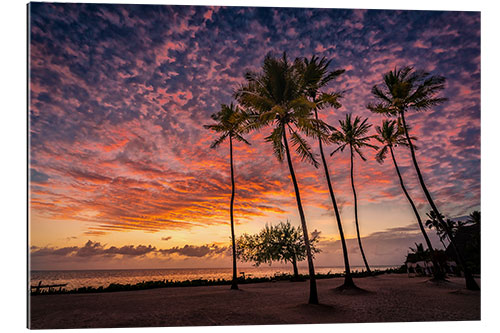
(420, 263)
(416, 265)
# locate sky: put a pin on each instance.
(121, 173)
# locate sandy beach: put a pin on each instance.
(389, 298)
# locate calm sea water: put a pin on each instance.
(97, 278)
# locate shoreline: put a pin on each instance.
(165, 283)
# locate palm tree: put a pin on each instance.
(352, 134)
(391, 134)
(474, 218)
(275, 98)
(316, 76)
(229, 124)
(409, 90)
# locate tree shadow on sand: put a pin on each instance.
(454, 287)
(439, 282)
(351, 290)
(465, 291)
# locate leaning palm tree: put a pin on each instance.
(275, 99)
(229, 124)
(390, 135)
(316, 77)
(405, 90)
(352, 134)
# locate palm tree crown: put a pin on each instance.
(230, 120)
(353, 134)
(407, 89)
(276, 98)
(390, 134)
(315, 76)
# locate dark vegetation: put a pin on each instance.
(279, 243)
(202, 282)
(467, 236)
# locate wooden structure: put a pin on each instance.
(40, 287)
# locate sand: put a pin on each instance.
(394, 297)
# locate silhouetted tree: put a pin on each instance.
(474, 218)
(466, 235)
(451, 225)
(229, 121)
(275, 98)
(433, 223)
(419, 251)
(316, 77)
(352, 134)
(282, 242)
(409, 90)
(391, 134)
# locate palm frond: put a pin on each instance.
(381, 155)
(378, 92)
(331, 99)
(241, 139)
(276, 139)
(358, 151)
(331, 76)
(266, 117)
(361, 143)
(303, 149)
(219, 140)
(425, 104)
(337, 136)
(250, 122)
(339, 148)
(315, 128)
(381, 108)
(301, 107)
(215, 127)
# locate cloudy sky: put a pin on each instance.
(121, 170)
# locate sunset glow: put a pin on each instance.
(121, 170)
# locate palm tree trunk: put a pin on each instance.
(313, 292)
(348, 282)
(438, 274)
(295, 269)
(356, 213)
(442, 242)
(234, 284)
(469, 279)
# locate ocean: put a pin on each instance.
(98, 278)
